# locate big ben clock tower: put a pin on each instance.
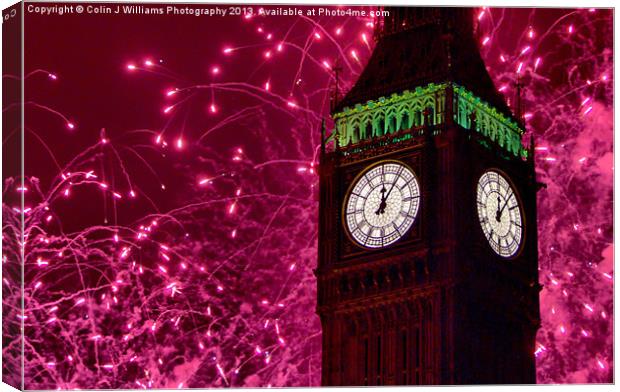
(428, 260)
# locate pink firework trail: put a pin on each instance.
(179, 254)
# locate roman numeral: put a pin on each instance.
(399, 172)
(405, 214)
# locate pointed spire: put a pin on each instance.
(335, 96)
(532, 150)
(519, 108)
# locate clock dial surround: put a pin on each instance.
(500, 213)
(381, 204)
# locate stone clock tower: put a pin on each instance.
(428, 257)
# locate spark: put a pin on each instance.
(537, 63)
(539, 350)
(365, 40)
(354, 55)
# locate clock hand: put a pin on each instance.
(384, 204)
(505, 204)
(381, 208)
(498, 213)
(394, 183)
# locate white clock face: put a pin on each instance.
(382, 204)
(499, 213)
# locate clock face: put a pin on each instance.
(382, 204)
(499, 212)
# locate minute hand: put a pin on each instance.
(504, 206)
(394, 184)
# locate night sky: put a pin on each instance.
(171, 196)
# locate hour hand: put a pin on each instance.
(382, 205)
(498, 214)
(383, 196)
(500, 211)
(381, 208)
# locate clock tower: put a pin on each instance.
(428, 260)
